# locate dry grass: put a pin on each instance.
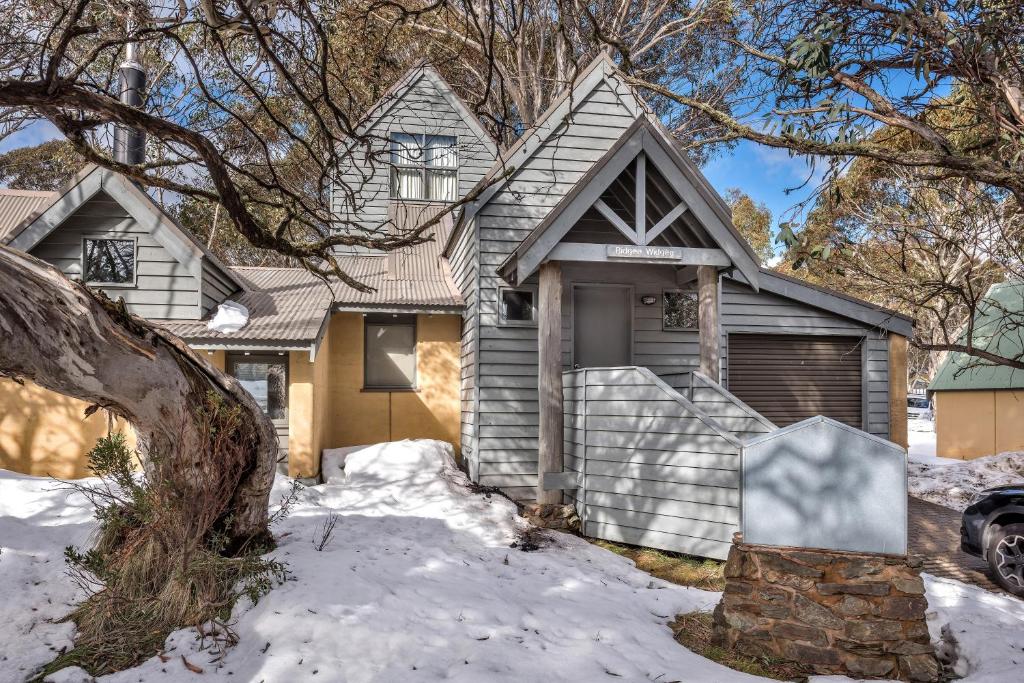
(693, 631)
(684, 570)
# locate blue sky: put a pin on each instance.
(769, 175)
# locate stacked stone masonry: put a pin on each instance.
(854, 614)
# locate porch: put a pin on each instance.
(646, 442)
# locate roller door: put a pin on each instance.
(788, 378)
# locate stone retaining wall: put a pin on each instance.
(835, 612)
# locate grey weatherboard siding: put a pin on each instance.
(164, 289)
(506, 374)
(654, 470)
(424, 105)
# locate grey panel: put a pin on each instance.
(822, 484)
(602, 326)
(668, 479)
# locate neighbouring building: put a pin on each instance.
(979, 405)
(591, 244)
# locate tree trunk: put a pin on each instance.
(74, 341)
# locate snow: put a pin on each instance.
(418, 583)
(988, 629)
(231, 316)
(953, 483)
(921, 439)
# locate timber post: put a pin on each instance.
(549, 379)
(707, 321)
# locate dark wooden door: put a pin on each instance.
(788, 378)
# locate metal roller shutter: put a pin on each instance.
(788, 378)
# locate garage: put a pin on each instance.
(788, 378)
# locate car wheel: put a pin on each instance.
(1006, 557)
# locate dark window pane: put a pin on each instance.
(268, 384)
(390, 348)
(517, 305)
(109, 261)
(680, 311)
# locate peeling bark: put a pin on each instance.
(77, 342)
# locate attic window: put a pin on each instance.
(107, 261)
(424, 167)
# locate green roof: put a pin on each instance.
(998, 330)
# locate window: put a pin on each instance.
(424, 167)
(517, 306)
(390, 352)
(108, 261)
(266, 378)
(679, 311)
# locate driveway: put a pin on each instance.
(935, 538)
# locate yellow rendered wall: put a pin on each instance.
(359, 416)
(43, 433)
(972, 424)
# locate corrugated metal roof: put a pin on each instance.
(287, 306)
(996, 330)
(17, 205)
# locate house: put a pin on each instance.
(979, 406)
(592, 301)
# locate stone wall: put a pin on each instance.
(835, 612)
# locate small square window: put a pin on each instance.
(679, 310)
(517, 306)
(108, 261)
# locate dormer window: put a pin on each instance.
(424, 167)
(108, 261)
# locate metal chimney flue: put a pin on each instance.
(130, 144)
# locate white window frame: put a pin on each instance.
(135, 261)
(503, 322)
(664, 303)
(422, 167)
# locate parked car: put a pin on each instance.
(919, 408)
(993, 529)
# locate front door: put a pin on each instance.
(602, 326)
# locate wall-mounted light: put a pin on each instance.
(648, 299)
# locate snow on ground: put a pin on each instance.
(988, 628)
(953, 483)
(419, 584)
(921, 439)
(37, 520)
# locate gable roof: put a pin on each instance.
(398, 90)
(996, 330)
(835, 302)
(648, 136)
(86, 184)
(600, 70)
(17, 205)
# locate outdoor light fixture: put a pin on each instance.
(648, 299)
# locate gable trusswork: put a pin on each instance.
(653, 198)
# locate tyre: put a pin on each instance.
(1006, 557)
